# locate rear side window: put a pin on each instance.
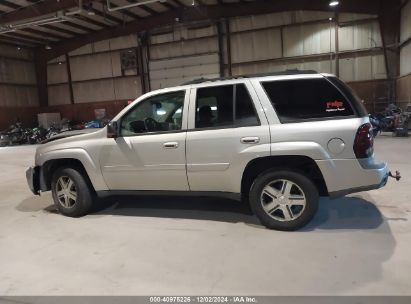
(307, 99)
(225, 106)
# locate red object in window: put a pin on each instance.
(335, 104)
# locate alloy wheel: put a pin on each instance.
(283, 200)
(66, 192)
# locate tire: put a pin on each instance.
(77, 183)
(281, 211)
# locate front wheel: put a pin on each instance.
(72, 193)
(284, 200)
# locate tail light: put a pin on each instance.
(364, 142)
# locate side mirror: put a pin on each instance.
(112, 129)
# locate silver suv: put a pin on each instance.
(277, 141)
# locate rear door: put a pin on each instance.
(227, 128)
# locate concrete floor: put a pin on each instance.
(359, 245)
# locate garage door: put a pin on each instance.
(171, 72)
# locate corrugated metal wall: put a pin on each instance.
(17, 78)
(264, 43)
(405, 54)
(305, 34)
(404, 82)
(96, 74)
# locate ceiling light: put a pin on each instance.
(334, 3)
(60, 62)
(18, 48)
(47, 47)
(193, 3)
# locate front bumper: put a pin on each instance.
(33, 179)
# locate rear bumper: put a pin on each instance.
(345, 192)
(344, 177)
(33, 179)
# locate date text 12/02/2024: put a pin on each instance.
(204, 299)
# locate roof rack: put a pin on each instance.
(283, 73)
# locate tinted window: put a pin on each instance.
(245, 111)
(224, 106)
(155, 114)
(356, 101)
(306, 99)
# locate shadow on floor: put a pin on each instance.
(344, 213)
(199, 208)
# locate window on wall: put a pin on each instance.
(306, 99)
(128, 59)
(225, 106)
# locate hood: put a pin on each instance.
(69, 134)
(81, 139)
(71, 139)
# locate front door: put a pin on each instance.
(149, 154)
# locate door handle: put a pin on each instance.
(170, 145)
(250, 140)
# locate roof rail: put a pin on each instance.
(283, 73)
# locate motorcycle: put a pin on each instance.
(53, 130)
(37, 135)
(391, 120)
(17, 134)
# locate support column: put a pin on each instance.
(143, 53)
(337, 46)
(41, 78)
(390, 22)
(220, 47)
(228, 41)
(70, 83)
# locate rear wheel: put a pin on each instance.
(284, 200)
(72, 193)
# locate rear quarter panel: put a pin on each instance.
(340, 170)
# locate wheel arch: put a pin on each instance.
(50, 166)
(78, 157)
(302, 164)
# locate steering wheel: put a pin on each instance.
(150, 124)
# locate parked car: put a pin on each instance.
(278, 142)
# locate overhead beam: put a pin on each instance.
(59, 29)
(78, 26)
(179, 3)
(92, 21)
(9, 4)
(38, 9)
(30, 39)
(47, 35)
(15, 42)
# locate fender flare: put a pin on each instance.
(92, 169)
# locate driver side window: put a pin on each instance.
(159, 113)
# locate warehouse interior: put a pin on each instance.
(92, 58)
(78, 57)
